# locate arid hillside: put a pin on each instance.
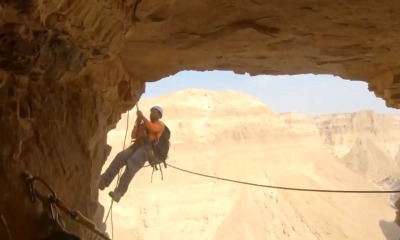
(229, 134)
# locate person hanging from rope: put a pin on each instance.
(145, 135)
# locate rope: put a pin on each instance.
(118, 178)
(112, 221)
(283, 188)
(33, 194)
(3, 220)
(52, 204)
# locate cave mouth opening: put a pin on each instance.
(310, 94)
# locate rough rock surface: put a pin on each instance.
(55, 110)
(68, 69)
(274, 37)
(342, 131)
(365, 141)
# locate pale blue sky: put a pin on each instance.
(309, 94)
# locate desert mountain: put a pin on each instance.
(229, 134)
(342, 131)
(366, 142)
(367, 158)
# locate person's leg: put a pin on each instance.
(133, 165)
(119, 161)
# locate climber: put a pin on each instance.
(135, 156)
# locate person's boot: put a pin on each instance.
(116, 196)
(102, 184)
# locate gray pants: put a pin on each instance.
(133, 160)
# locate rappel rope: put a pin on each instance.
(284, 188)
(53, 204)
(4, 222)
(119, 176)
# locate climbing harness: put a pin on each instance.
(154, 165)
(156, 169)
(52, 204)
(4, 222)
(283, 188)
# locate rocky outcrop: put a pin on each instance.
(55, 110)
(366, 142)
(271, 37)
(341, 131)
(301, 126)
(367, 159)
(69, 69)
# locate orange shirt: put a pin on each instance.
(155, 130)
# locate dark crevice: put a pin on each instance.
(135, 10)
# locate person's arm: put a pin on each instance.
(153, 127)
(133, 133)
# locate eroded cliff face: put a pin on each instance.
(69, 69)
(61, 92)
(275, 37)
(366, 142)
(342, 131)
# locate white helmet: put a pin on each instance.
(158, 109)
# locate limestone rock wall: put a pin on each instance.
(275, 37)
(61, 90)
(365, 141)
(342, 131)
